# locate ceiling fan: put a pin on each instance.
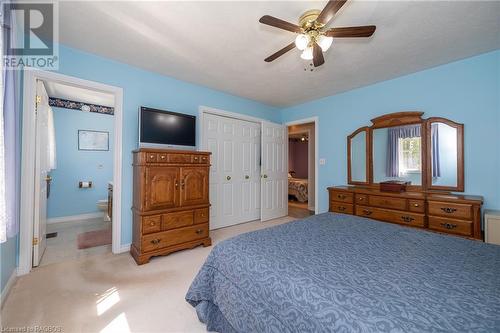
(314, 38)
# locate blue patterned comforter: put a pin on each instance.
(342, 273)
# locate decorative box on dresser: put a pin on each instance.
(448, 213)
(170, 202)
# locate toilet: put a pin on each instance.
(102, 205)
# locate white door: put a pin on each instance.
(274, 181)
(249, 150)
(41, 173)
(234, 174)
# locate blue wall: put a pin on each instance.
(150, 89)
(73, 165)
(465, 91)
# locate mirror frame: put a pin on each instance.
(402, 119)
(368, 163)
(460, 155)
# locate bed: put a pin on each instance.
(298, 188)
(343, 273)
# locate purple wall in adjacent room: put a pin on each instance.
(298, 158)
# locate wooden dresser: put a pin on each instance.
(448, 213)
(170, 202)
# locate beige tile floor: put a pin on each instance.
(110, 293)
(64, 246)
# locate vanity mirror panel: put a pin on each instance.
(397, 154)
(445, 142)
(358, 165)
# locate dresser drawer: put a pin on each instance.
(341, 196)
(339, 207)
(151, 224)
(173, 237)
(416, 220)
(151, 157)
(451, 226)
(451, 210)
(179, 158)
(417, 206)
(176, 220)
(387, 202)
(201, 215)
(361, 199)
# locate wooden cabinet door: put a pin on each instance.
(194, 186)
(162, 187)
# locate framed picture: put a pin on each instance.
(93, 140)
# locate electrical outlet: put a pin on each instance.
(322, 161)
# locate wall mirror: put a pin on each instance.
(445, 154)
(427, 153)
(357, 146)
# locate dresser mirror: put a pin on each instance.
(445, 155)
(357, 145)
(427, 153)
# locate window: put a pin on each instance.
(409, 155)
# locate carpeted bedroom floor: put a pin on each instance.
(110, 293)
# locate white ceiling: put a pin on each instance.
(77, 94)
(222, 45)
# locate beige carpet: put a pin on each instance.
(110, 293)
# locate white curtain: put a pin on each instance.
(52, 140)
(3, 206)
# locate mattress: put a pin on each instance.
(342, 273)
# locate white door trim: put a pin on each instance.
(314, 120)
(28, 159)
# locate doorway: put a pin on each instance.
(302, 168)
(77, 168)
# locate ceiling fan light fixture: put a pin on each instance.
(325, 42)
(302, 41)
(307, 54)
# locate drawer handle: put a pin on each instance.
(449, 225)
(341, 208)
(204, 158)
(367, 212)
(361, 198)
(341, 196)
(199, 231)
(196, 158)
(407, 219)
(416, 205)
(155, 241)
(151, 156)
(448, 210)
(162, 157)
(152, 224)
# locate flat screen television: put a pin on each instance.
(158, 128)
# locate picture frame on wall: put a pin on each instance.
(93, 140)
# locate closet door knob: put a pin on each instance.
(265, 176)
(228, 177)
(247, 177)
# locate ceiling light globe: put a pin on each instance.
(325, 42)
(301, 41)
(307, 54)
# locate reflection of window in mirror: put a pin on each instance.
(409, 155)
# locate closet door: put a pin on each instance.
(220, 139)
(274, 190)
(249, 148)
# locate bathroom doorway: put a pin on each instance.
(75, 150)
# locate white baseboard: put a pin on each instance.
(8, 287)
(87, 216)
(125, 248)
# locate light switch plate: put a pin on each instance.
(322, 161)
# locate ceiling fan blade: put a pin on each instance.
(276, 22)
(364, 31)
(280, 52)
(318, 59)
(331, 8)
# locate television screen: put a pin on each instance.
(166, 128)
